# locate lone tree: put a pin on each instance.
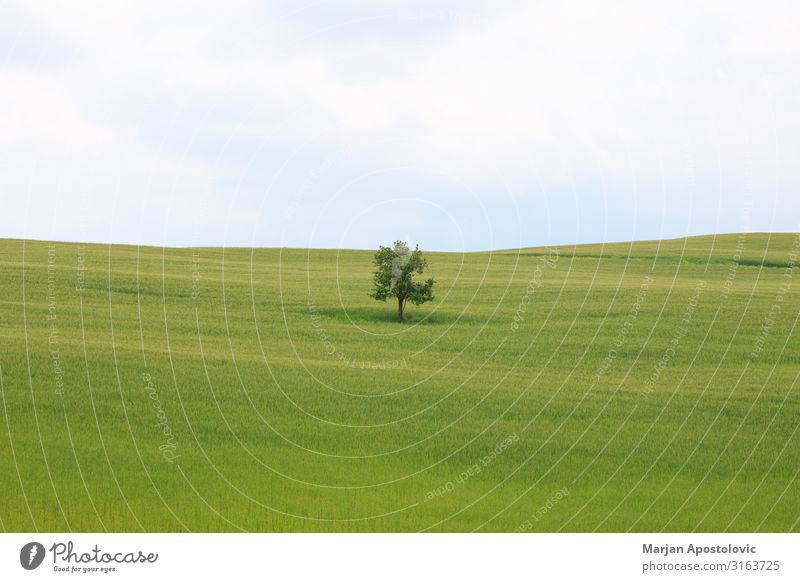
(396, 267)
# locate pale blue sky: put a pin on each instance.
(458, 125)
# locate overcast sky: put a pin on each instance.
(465, 126)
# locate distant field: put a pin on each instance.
(641, 386)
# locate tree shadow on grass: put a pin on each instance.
(388, 314)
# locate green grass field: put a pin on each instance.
(641, 386)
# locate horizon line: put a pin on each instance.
(503, 250)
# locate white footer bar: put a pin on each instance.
(400, 557)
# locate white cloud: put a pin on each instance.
(189, 113)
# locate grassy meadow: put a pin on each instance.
(648, 386)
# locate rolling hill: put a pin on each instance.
(646, 386)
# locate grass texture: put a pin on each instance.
(647, 386)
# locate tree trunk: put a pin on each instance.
(400, 308)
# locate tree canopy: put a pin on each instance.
(396, 267)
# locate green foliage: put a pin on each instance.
(396, 267)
